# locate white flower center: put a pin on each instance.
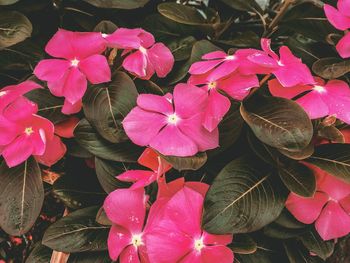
(3, 93)
(104, 35)
(28, 130)
(74, 62)
(319, 89)
(230, 57)
(212, 85)
(173, 119)
(143, 50)
(280, 63)
(198, 244)
(136, 240)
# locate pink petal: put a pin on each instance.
(124, 38)
(41, 123)
(8, 131)
(127, 208)
(156, 103)
(344, 7)
(189, 100)
(18, 151)
(345, 204)
(194, 130)
(167, 190)
(193, 257)
(20, 109)
(203, 67)
(55, 150)
(215, 55)
(248, 67)
(140, 178)
(332, 186)
(118, 239)
(224, 69)
(137, 64)
(23, 87)
(306, 210)
(171, 141)
(266, 46)
(69, 108)
(147, 39)
(143, 126)
(215, 253)
(161, 58)
(150, 159)
(129, 255)
(336, 18)
(66, 128)
(60, 45)
(278, 90)
(51, 69)
(218, 105)
(238, 86)
(210, 239)
(333, 222)
(74, 86)
(96, 69)
(343, 46)
(314, 105)
(263, 60)
(198, 79)
(199, 187)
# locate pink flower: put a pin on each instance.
(142, 178)
(149, 57)
(172, 126)
(235, 85)
(65, 129)
(329, 208)
(340, 19)
(127, 210)
(322, 99)
(287, 68)
(22, 132)
(175, 234)
(79, 59)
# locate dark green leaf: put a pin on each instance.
(102, 218)
(298, 178)
(181, 48)
(106, 105)
(243, 198)
(39, 254)
(287, 220)
(278, 122)
(246, 39)
(106, 27)
(315, 244)
(77, 232)
(187, 163)
(296, 252)
(90, 257)
(260, 256)
(275, 230)
(8, 2)
(332, 134)
(334, 158)
(106, 174)
(299, 155)
(243, 5)
(121, 4)
(14, 27)
(331, 68)
(21, 196)
(243, 244)
(94, 143)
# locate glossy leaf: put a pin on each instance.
(21, 196)
(39, 254)
(243, 244)
(89, 257)
(120, 4)
(331, 68)
(187, 163)
(314, 243)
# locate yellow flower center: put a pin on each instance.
(74, 62)
(2, 93)
(319, 89)
(173, 119)
(198, 244)
(143, 50)
(136, 240)
(212, 85)
(28, 130)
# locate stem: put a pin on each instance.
(281, 12)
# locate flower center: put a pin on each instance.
(230, 57)
(143, 50)
(136, 240)
(28, 130)
(319, 89)
(2, 93)
(198, 244)
(104, 35)
(74, 62)
(212, 85)
(173, 119)
(280, 63)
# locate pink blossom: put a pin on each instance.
(142, 178)
(172, 125)
(235, 85)
(127, 210)
(322, 99)
(340, 19)
(65, 129)
(287, 68)
(329, 208)
(145, 57)
(175, 234)
(22, 132)
(77, 58)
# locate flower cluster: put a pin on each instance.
(172, 231)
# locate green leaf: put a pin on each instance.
(278, 122)
(331, 68)
(298, 178)
(277, 231)
(105, 26)
(243, 198)
(334, 158)
(106, 174)
(14, 28)
(120, 4)
(94, 143)
(106, 105)
(187, 163)
(39, 254)
(299, 155)
(181, 48)
(245, 39)
(21, 196)
(315, 244)
(243, 244)
(102, 218)
(90, 257)
(243, 5)
(77, 232)
(8, 2)
(297, 253)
